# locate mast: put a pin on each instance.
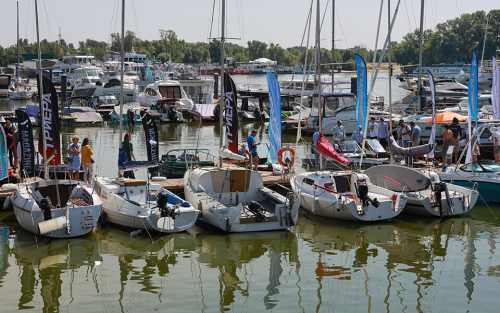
(122, 56)
(390, 69)
(222, 95)
(333, 44)
(40, 96)
(420, 43)
(17, 64)
(482, 55)
(318, 77)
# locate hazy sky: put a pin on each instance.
(278, 21)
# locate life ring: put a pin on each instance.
(280, 153)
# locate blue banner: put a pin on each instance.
(4, 153)
(274, 130)
(362, 98)
(472, 103)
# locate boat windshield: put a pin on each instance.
(375, 145)
(481, 167)
(349, 146)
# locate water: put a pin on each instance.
(406, 265)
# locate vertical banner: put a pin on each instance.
(472, 103)
(495, 90)
(4, 156)
(50, 119)
(362, 99)
(151, 133)
(274, 130)
(231, 113)
(27, 162)
(432, 138)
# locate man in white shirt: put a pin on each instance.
(404, 133)
(338, 132)
(373, 127)
(383, 133)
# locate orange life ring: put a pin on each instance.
(280, 153)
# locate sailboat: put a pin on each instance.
(18, 92)
(235, 199)
(142, 204)
(345, 195)
(53, 208)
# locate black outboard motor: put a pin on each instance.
(216, 112)
(45, 205)
(165, 211)
(258, 210)
(363, 196)
(438, 188)
(172, 115)
(131, 116)
(257, 114)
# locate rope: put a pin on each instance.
(140, 219)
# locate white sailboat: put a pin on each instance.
(235, 199)
(343, 195)
(142, 204)
(54, 208)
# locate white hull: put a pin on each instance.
(224, 196)
(128, 204)
(80, 219)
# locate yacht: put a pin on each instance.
(165, 89)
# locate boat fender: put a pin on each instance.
(6, 203)
(315, 205)
(52, 225)
(9, 186)
(287, 161)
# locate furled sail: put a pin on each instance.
(151, 132)
(27, 162)
(362, 99)
(274, 130)
(231, 113)
(395, 149)
(325, 147)
(50, 119)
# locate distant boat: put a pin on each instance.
(85, 114)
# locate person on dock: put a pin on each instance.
(395, 133)
(415, 134)
(447, 141)
(496, 149)
(383, 133)
(8, 135)
(456, 129)
(129, 151)
(252, 147)
(474, 142)
(87, 161)
(338, 132)
(74, 161)
(404, 133)
(357, 135)
(373, 127)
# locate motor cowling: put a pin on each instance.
(45, 205)
(362, 190)
(165, 211)
(258, 211)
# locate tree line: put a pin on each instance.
(452, 41)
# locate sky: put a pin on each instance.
(271, 21)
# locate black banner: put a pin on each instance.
(151, 137)
(50, 119)
(25, 131)
(231, 113)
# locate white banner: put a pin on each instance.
(495, 90)
(432, 138)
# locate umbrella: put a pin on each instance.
(447, 117)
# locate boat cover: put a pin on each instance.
(395, 149)
(226, 153)
(205, 110)
(124, 164)
(325, 147)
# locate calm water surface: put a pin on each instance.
(319, 265)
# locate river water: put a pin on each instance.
(408, 264)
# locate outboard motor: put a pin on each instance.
(45, 205)
(216, 112)
(258, 210)
(362, 190)
(172, 115)
(165, 211)
(131, 116)
(257, 114)
(438, 189)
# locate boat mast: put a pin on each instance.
(390, 69)
(420, 43)
(17, 64)
(333, 45)
(222, 96)
(318, 76)
(122, 56)
(40, 96)
(484, 42)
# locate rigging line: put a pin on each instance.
(407, 17)
(211, 23)
(111, 23)
(135, 20)
(47, 16)
(302, 42)
(458, 9)
(342, 30)
(242, 23)
(413, 10)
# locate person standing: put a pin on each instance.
(129, 151)
(357, 135)
(496, 149)
(383, 133)
(395, 133)
(74, 161)
(373, 127)
(252, 147)
(87, 161)
(404, 133)
(8, 135)
(415, 134)
(317, 155)
(456, 129)
(447, 141)
(338, 132)
(13, 147)
(474, 142)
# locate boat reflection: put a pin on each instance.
(231, 254)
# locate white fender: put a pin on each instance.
(315, 205)
(52, 224)
(6, 203)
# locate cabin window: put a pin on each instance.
(308, 181)
(342, 183)
(170, 92)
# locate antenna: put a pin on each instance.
(60, 35)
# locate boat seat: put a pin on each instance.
(273, 195)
